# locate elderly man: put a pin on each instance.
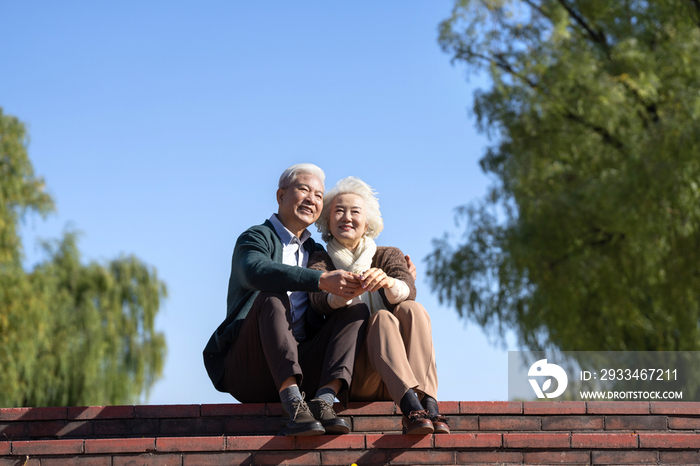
(265, 350)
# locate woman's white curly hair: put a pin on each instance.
(352, 185)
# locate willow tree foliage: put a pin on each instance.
(590, 237)
(70, 333)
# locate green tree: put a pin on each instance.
(590, 237)
(70, 333)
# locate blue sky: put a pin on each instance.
(161, 129)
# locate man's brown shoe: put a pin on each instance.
(323, 412)
(417, 423)
(298, 420)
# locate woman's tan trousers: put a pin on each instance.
(397, 355)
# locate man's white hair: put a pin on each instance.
(352, 185)
(290, 175)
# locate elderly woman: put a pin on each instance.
(397, 360)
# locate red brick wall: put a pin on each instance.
(482, 433)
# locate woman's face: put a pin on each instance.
(348, 222)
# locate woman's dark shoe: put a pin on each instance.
(440, 424)
(417, 423)
(323, 412)
(298, 420)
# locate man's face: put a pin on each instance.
(300, 203)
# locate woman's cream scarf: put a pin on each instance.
(357, 261)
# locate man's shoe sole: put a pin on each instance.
(313, 428)
(336, 426)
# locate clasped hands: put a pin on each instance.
(348, 285)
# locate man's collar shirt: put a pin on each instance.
(294, 254)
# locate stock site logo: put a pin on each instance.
(542, 369)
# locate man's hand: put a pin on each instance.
(411, 267)
(341, 283)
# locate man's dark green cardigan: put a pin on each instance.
(256, 266)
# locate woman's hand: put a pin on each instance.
(374, 278)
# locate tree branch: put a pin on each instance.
(540, 10)
(605, 239)
(650, 108)
(500, 62)
(697, 7)
(597, 36)
(505, 66)
(602, 132)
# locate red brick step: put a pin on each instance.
(483, 433)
